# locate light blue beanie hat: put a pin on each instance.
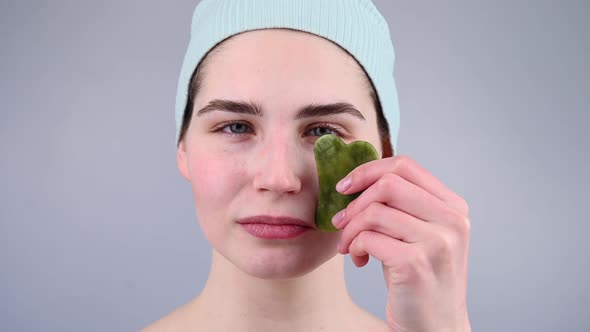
(355, 25)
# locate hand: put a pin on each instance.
(419, 230)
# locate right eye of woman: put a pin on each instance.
(234, 128)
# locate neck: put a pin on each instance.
(279, 305)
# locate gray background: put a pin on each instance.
(97, 226)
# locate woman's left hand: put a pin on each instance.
(419, 230)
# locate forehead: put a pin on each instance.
(286, 65)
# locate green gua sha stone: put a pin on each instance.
(334, 160)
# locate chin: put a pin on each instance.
(281, 264)
(276, 260)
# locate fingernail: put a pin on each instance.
(343, 184)
(337, 219)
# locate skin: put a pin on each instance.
(406, 218)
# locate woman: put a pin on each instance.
(261, 81)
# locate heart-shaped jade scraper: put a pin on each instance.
(334, 160)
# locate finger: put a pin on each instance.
(391, 252)
(398, 193)
(360, 261)
(368, 173)
(385, 220)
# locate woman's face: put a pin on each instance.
(242, 165)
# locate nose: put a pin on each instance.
(277, 167)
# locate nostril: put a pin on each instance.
(277, 167)
(278, 181)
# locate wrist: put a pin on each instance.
(461, 327)
(467, 327)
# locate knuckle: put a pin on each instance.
(389, 182)
(382, 184)
(460, 204)
(371, 214)
(443, 251)
(359, 175)
(389, 187)
(460, 223)
(403, 162)
(418, 265)
(347, 237)
(465, 225)
(445, 245)
(361, 240)
(354, 242)
(421, 260)
(415, 268)
(465, 206)
(353, 208)
(396, 187)
(350, 208)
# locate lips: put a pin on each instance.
(272, 220)
(271, 227)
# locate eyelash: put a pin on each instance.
(224, 125)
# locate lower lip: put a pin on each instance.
(268, 231)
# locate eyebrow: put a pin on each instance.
(307, 111)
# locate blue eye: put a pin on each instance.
(320, 131)
(237, 128)
(233, 128)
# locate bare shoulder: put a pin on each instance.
(369, 322)
(177, 320)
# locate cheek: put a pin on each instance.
(215, 181)
(371, 135)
